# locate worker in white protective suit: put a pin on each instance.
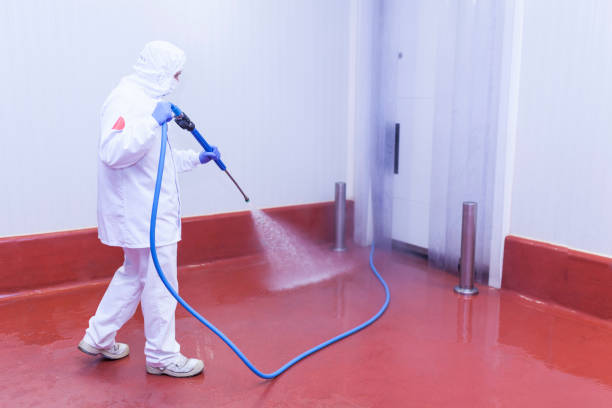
(129, 148)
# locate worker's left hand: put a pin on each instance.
(163, 112)
(205, 156)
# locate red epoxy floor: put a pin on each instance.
(432, 348)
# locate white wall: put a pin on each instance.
(265, 80)
(562, 191)
(511, 46)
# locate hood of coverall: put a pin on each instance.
(157, 64)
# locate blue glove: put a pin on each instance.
(205, 156)
(163, 112)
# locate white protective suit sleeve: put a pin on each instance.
(121, 148)
(186, 160)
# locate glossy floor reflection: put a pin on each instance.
(432, 348)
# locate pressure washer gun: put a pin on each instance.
(184, 122)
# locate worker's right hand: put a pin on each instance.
(205, 156)
(163, 112)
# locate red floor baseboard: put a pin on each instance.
(44, 260)
(571, 278)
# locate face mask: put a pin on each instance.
(173, 85)
(168, 86)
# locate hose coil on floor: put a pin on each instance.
(219, 333)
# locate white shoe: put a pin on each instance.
(115, 352)
(180, 367)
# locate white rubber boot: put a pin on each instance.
(180, 367)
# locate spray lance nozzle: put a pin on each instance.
(184, 122)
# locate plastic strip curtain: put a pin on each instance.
(465, 127)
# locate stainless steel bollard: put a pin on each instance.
(340, 204)
(468, 245)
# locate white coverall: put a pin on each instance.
(129, 149)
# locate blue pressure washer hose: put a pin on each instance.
(160, 172)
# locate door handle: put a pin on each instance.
(396, 157)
